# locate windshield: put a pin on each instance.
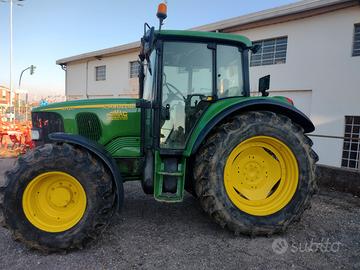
(149, 77)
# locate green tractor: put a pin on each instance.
(195, 127)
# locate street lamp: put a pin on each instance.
(18, 2)
(32, 70)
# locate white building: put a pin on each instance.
(311, 49)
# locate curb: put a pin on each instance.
(340, 179)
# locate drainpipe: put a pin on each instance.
(87, 79)
(63, 67)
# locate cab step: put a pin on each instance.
(169, 178)
(171, 173)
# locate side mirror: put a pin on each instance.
(264, 85)
(147, 42)
(141, 79)
(254, 49)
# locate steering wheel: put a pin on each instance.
(173, 95)
(176, 93)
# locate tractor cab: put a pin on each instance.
(182, 74)
(186, 72)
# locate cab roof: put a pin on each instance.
(205, 35)
(134, 47)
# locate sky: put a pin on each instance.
(48, 30)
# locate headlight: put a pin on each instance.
(35, 134)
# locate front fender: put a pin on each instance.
(97, 150)
(218, 111)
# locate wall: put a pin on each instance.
(81, 83)
(319, 64)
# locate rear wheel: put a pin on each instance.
(260, 173)
(57, 198)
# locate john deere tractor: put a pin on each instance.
(195, 127)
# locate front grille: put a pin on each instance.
(47, 122)
(89, 126)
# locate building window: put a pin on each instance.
(100, 73)
(272, 51)
(356, 45)
(351, 147)
(134, 69)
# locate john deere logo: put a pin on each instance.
(118, 115)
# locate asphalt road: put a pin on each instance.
(152, 235)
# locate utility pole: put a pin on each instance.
(32, 70)
(12, 110)
(12, 114)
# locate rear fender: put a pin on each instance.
(204, 127)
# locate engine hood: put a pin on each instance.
(114, 103)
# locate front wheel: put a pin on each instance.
(57, 198)
(255, 173)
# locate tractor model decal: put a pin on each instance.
(96, 106)
(118, 116)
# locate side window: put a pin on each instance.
(229, 71)
(272, 52)
(149, 78)
(100, 73)
(356, 43)
(351, 146)
(134, 69)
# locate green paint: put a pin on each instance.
(106, 110)
(124, 147)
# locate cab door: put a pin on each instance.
(187, 86)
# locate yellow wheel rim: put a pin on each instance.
(261, 175)
(54, 201)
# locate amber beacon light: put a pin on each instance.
(161, 13)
